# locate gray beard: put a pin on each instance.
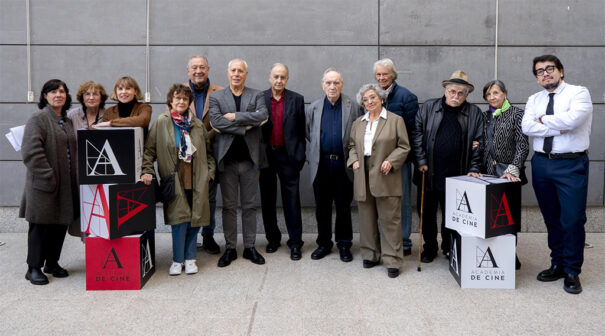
(552, 86)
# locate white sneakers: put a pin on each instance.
(190, 267)
(175, 268)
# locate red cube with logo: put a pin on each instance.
(482, 207)
(119, 264)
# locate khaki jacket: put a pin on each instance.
(161, 146)
(391, 144)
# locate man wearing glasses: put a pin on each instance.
(559, 119)
(442, 141)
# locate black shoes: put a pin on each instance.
(227, 257)
(571, 284)
(370, 263)
(427, 257)
(407, 251)
(272, 246)
(345, 254)
(35, 276)
(517, 263)
(295, 253)
(57, 271)
(320, 252)
(393, 272)
(209, 245)
(552, 274)
(251, 254)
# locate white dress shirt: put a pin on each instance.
(371, 126)
(572, 113)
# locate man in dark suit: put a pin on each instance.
(237, 113)
(284, 136)
(329, 121)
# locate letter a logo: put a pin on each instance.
(101, 162)
(500, 212)
(485, 259)
(112, 258)
(454, 257)
(462, 203)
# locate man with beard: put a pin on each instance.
(445, 130)
(559, 119)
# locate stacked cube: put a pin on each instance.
(483, 214)
(117, 213)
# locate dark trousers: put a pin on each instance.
(289, 177)
(332, 185)
(209, 229)
(44, 244)
(432, 200)
(561, 187)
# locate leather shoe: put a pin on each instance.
(393, 272)
(370, 263)
(272, 246)
(554, 273)
(210, 245)
(345, 254)
(427, 257)
(295, 253)
(251, 254)
(57, 271)
(227, 257)
(35, 276)
(571, 284)
(320, 252)
(407, 251)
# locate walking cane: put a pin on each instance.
(421, 213)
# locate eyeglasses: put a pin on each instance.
(549, 69)
(453, 92)
(88, 94)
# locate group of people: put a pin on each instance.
(371, 149)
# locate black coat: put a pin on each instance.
(293, 126)
(428, 120)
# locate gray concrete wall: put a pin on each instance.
(80, 40)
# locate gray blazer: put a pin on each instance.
(255, 114)
(350, 112)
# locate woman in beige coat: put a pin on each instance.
(177, 136)
(378, 147)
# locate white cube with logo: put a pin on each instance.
(483, 263)
(482, 207)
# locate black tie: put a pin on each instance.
(549, 111)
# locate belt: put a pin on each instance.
(333, 157)
(276, 147)
(562, 155)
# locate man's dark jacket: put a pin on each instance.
(428, 120)
(404, 103)
(293, 126)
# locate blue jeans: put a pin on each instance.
(209, 230)
(183, 241)
(406, 204)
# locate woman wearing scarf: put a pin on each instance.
(506, 147)
(180, 144)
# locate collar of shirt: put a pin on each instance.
(390, 88)
(336, 105)
(383, 115)
(283, 95)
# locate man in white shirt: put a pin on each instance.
(559, 119)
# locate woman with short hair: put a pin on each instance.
(129, 112)
(179, 142)
(92, 97)
(378, 148)
(50, 198)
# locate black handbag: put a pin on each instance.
(166, 186)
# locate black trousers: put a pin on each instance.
(289, 178)
(44, 244)
(432, 200)
(332, 185)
